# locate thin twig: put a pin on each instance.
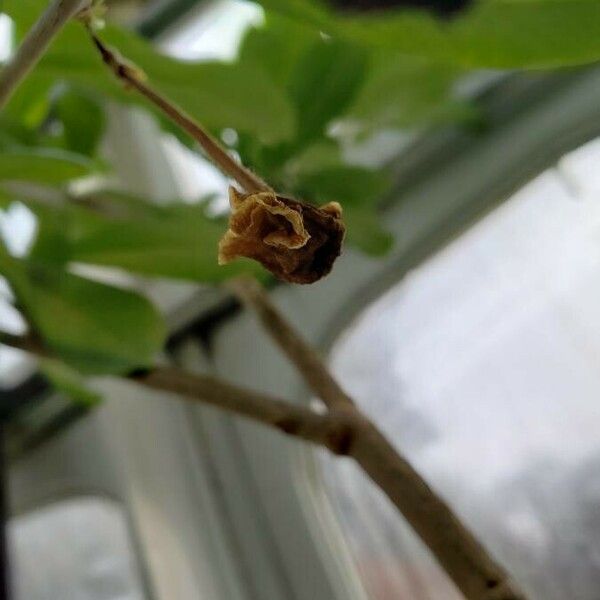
(134, 78)
(465, 560)
(34, 45)
(298, 421)
(26, 343)
(304, 356)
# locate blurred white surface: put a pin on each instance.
(217, 32)
(17, 228)
(76, 549)
(6, 30)
(483, 366)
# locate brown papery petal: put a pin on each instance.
(297, 242)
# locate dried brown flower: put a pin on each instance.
(297, 242)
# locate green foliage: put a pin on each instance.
(402, 91)
(323, 83)
(355, 186)
(82, 119)
(93, 327)
(177, 241)
(366, 233)
(276, 47)
(288, 88)
(42, 165)
(308, 85)
(332, 82)
(217, 94)
(493, 33)
(68, 381)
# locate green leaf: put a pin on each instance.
(176, 241)
(493, 33)
(277, 46)
(403, 91)
(6, 199)
(93, 327)
(30, 104)
(310, 11)
(68, 381)
(52, 242)
(83, 121)
(323, 154)
(182, 245)
(44, 166)
(350, 186)
(364, 230)
(324, 83)
(217, 94)
(24, 13)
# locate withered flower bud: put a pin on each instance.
(297, 242)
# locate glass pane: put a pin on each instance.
(77, 549)
(483, 367)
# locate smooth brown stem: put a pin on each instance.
(134, 78)
(328, 430)
(34, 45)
(473, 570)
(289, 418)
(304, 356)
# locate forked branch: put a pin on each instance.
(326, 430)
(465, 560)
(305, 357)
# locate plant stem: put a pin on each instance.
(34, 45)
(345, 432)
(305, 357)
(289, 418)
(465, 560)
(134, 78)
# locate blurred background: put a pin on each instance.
(463, 316)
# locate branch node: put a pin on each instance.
(124, 69)
(289, 425)
(340, 440)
